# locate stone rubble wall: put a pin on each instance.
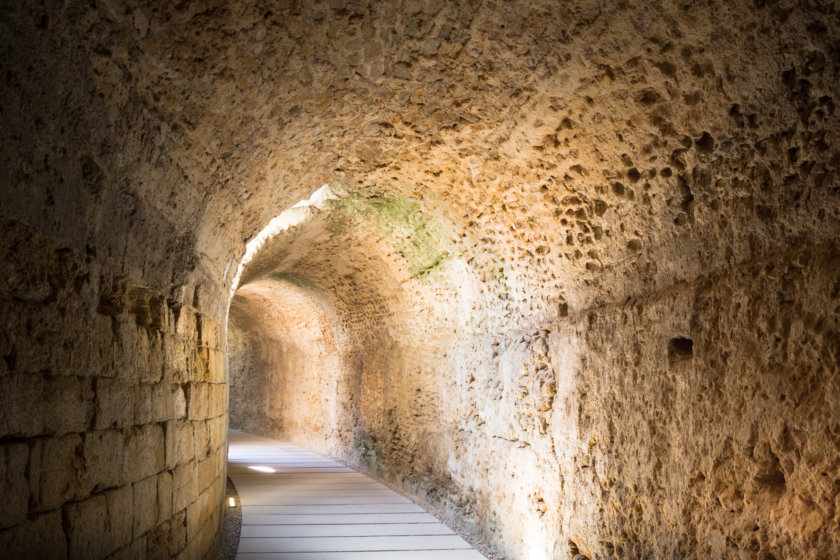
(114, 445)
(113, 393)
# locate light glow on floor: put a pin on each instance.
(262, 469)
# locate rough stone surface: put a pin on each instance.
(15, 503)
(579, 289)
(38, 537)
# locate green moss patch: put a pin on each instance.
(291, 278)
(402, 222)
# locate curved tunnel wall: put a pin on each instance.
(112, 382)
(282, 350)
(629, 348)
(513, 429)
(331, 299)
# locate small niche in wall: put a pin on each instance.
(680, 349)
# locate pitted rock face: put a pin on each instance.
(578, 291)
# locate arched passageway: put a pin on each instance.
(581, 281)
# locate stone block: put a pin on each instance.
(202, 539)
(54, 464)
(215, 500)
(144, 452)
(217, 400)
(164, 496)
(169, 402)
(217, 367)
(20, 404)
(14, 487)
(145, 404)
(158, 541)
(218, 336)
(136, 549)
(34, 404)
(209, 502)
(115, 403)
(186, 325)
(104, 452)
(140, 355)
(210, 332)
(202, 330)
(217, 430)
(87, 527)
(170, 442)
(202, 364)
(194, 521)
(179, 400)
(153, 371)
(67, 405)
(178, 533)
(37, 538)
(202, 526)
(201, 440)
(119, 516)
(145, 508)
(162, 404)
(179, 443)
(131, 353)
(175, 366)
(208, 471)
(197, 401)
(184, 486)
(98, 357)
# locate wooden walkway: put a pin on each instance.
(296, 504)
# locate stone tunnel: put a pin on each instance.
(566, 272)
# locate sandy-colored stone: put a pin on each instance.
(145, 452)
(100, 525)
(179, 443)
(578, 290)
(54, 465)
(184, 486)
(145, 505)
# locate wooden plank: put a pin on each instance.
(334, 499)
(344, 508)
(352, 544)
(371, 555)
(352, 518)
(345, 530)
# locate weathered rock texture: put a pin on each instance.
(579, 291)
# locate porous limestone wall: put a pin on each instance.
(627, 288)
(689, 423)
(280, 344)
(678, 422)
